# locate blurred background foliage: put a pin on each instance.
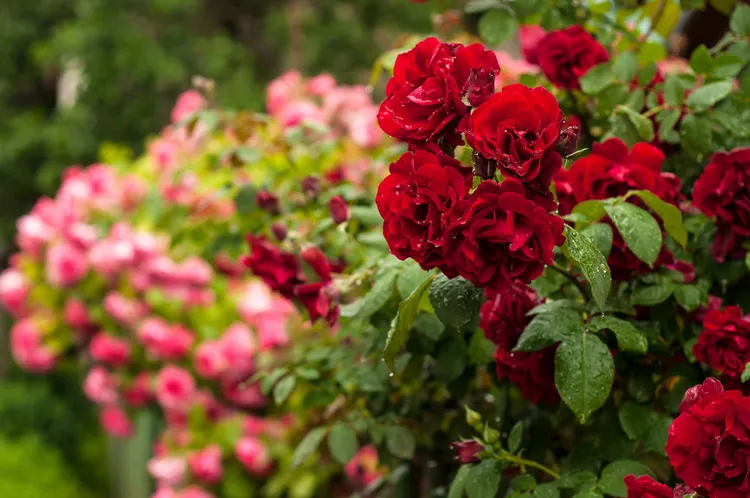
(76, 74)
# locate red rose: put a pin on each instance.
(498, 236)
(314, 257)
(566, 199)
(722, 192)
(278, 269)
(724, 342)
(268, 202)
(646, 487)
(611, 170)
(320, 299)
(424, 99)
(466, 451)
(693, 395)
(708, 445)
(339, 209)
(519, 128)
(413, 201)
(502, 319)
(567, 54)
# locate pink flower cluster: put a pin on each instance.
(347, 111)
(92, 275)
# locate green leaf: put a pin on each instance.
(456, 300)
(269, 380)
(628, 337)
(410, 277)
(484, 479)
(643, 125)
(701, 61)
(646, 74)
(400, 442)
(746, 373)
(667, 120)
(283, 389)
(723, 6)
(651, 51)
(601, 235)
(611, 480)
(727, 65)
(592, 263)
(593, 210)
(670, 215)
(450, 362)
(496, 26)
(476, 6)
(653, 294)
(244, 201)
(546, 490)
(597, 78)
(688, 296)
(481, 350)
(625, 67)
(622, 128)
(402, 323)
(369, 215)
(669, 13)
(515, 436)
(459, 482)
(696, 135)
(708, 95)
(674, 93)
(308, 445)
(639, 230)
(739, 23)
(584, 372)
(371, 303)
(547, 329)
(342, 443)
(639, 422)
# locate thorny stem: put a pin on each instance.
(562, 271)
(522, 462)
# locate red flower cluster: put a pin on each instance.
(499, 233)
(722, 192)
(725, 341)
(646, 487)
(503, 318)
(282, 273)
(425, 96)
(611, 170)
(567, 54)
(708, 443)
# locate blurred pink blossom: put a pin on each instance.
(100, 386)
(27, 347)
(253, 454)
(115, 421)
(14, 290)
(205, 464)
(110, 350)
(168, 471)
(124, 310)
(188, 103)
(65, 265)
(174, 388)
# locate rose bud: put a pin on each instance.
(483, 168)
(279, 231)
(466, 451)
(311, 186)
(339, 209)
(268, 202)
(568, 142)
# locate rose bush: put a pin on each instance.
(534, 287)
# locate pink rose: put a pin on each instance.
(81, 235)
(28, 349)
(187, 103)
(271, 330)
(174, 388)
(253, 454)
(254, 299)
(124, 310)
(209, 359)
(76, 316)
(321, 84)
(363, 468)
(164, 341)
(110, 350)
(238, 348)
(281, 90)
(139, 393)
(165, 154)
(243, 394)
(100, 386)
(301, 111)
(65, 265)
(14, 290)
(115, 422)
(205, 464)
(165, 492)
(169, 471)
(33, 234)
(109, 257)
(195, 271)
